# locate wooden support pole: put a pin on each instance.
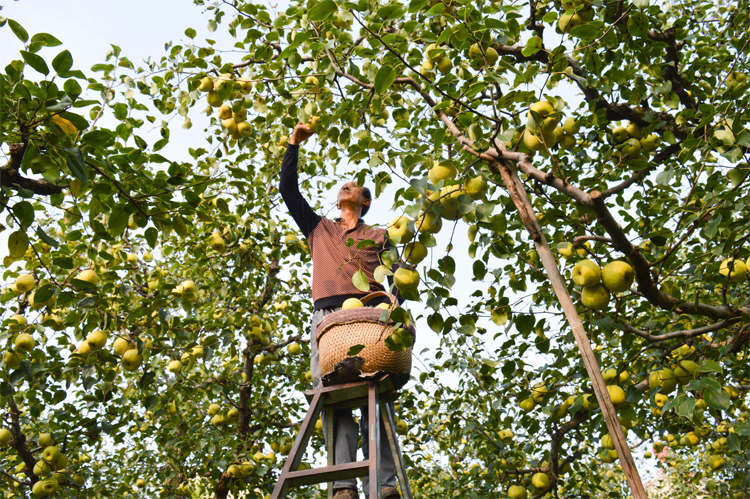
(525, 209)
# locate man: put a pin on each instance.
(334, 265)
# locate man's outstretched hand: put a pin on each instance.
(301, 133)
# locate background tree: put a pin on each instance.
(626, 123)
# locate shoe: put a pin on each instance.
(345, 494)
(389, 493)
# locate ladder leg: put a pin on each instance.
(374, 437)
(395, 450)
(299, 446)
(330, 443)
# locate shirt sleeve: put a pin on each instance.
(298, 206)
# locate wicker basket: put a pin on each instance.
(341, 330)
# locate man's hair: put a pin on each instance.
(368, 195)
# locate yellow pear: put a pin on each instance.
(24, 283)
(352, 303)
(406, 279)
(618, 276)
(595, 297)
(587, 273)
(442, 170)
(415, 252)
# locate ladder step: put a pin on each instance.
(328, 474)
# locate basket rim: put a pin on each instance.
(350, 316)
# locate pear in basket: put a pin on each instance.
(352, 303)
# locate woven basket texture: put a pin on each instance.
(339, 331)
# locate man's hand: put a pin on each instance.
(300, 134)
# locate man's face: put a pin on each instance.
(353, 194)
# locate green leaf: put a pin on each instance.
(47, 239)
(385, 78)
(18, 30)
(742, 429)
(322, 10)
(45, 39)
(586, 32)
(359, 279)
(18, 243)
(24, 212)
(76, 163)
(151, 236)
(62, 62)
(36, 62)
(190, 33)
(212, 25)
(717, 400)
(533, 46)
(684, 406)
(709, 366)
(638, 24)
(354, 350)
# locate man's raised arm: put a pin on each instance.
(298, 206)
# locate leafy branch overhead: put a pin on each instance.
(156, 317)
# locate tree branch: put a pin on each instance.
(10, 176)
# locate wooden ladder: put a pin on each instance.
(375, 394)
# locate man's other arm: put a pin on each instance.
(298, 206)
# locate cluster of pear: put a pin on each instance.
(25, 284)
(540, 482)
(597, 283)
(437, 58)
(233, 118)
(574, 13)
(23, 344)
(428, 222)
(50, 469)
(221, 417)
(632, 144)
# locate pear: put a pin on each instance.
(587, 273)
(350, 303)
(24, 283)
(428, 223)
(206, 84)
(213, 99)
(618, 276)
(449, 196)
(406, 279)
(617, 395)
(131, 360)
(549, 118)
(569, 21)
(620, 134)
(414, 252)
(517, 492)
(570, 126)
(650, 143)
(25, 342)
(217, 242)
(595, 297)
(634, 131)
(476, 187)
(735, 269)
(244, 129)
(224, 112)
(442, 170)
(97, 340)
(445, 65)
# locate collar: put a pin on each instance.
(338, 220)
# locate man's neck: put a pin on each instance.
(349, 217)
